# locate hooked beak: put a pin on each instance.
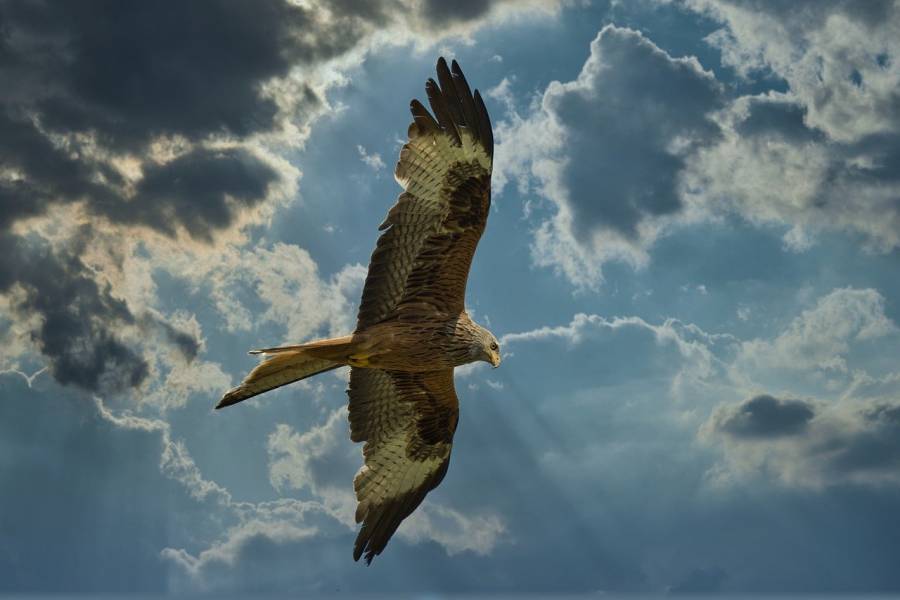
(495, 359)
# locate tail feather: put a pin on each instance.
(277, 350)
(285, 365)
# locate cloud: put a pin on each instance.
(838, 58)
(222, 566)
(241, 530)
(110, 123)
(98, 69)
(100, 89)
(845, 436)
(284, 286)
(831, 423)
(772, 169)
(802, 444)
(373, 161)
(820, 338)
(607, 149)
(75, 315)
(822, 155)
(202, 192)
(319, 460)
(762, 417)
(462, 18)
(454, 530)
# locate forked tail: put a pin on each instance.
(288, 364)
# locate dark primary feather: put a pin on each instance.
(407, 421)
(484, 125)
(464, 94)
(449, 93)
(439, 104)
(433, 229)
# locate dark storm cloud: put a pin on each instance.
(629, 119)
(763, 416)
(778, 117)
(199, 191)
(188, 345)
(436, 11)
(130, 71)
(443, 16)
(873, 449)
(122, 74)
(45, 173)
(78, 315)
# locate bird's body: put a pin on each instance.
(442, 341)
(412, 328)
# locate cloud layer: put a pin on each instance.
(642, 141)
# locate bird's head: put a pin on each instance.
(486, 347)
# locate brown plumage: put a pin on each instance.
(412, 328)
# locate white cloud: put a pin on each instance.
(771, 169)
(235, 540)
(298, 460)
(820, 337)
(283, 276)
(838, 58)
(373, 160)
(454, 531)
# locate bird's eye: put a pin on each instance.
(494, 346)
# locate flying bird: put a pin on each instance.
(412, 328)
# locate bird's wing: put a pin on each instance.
(422, 259)
(407, 421)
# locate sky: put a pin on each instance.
(691, 263)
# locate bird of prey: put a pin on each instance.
(412, 328)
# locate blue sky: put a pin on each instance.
(691, 263)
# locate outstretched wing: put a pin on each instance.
(421, 261)
(407, 421)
